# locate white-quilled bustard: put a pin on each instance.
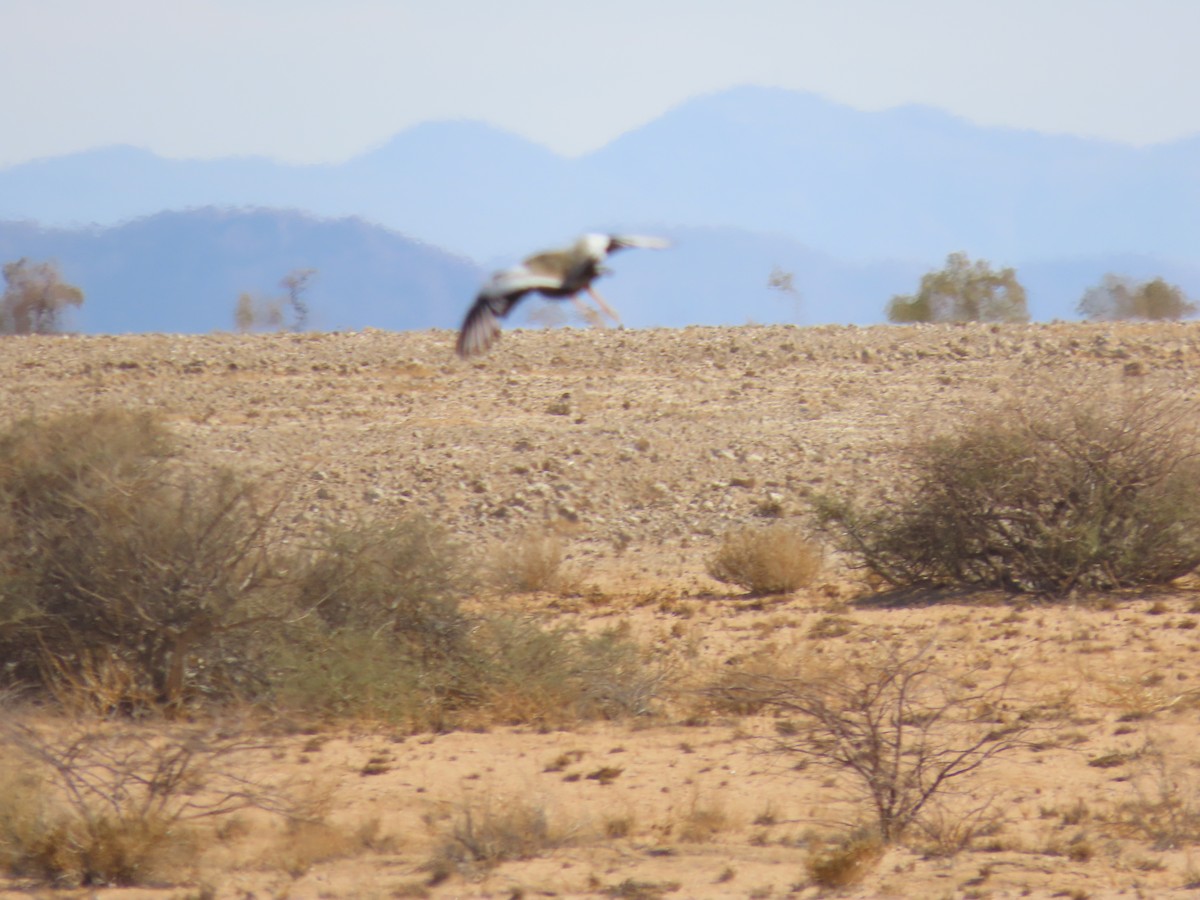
(557, 274)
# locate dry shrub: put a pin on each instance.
(776, 559)
(1091, 490)
(351, 674)
(405, 577)
(93, 804)
(381, 634)
(485, 835)
(1138, 692)
(557, 676)
(126, 582)
(1166, 805)
(738, 689)
(309, 842)
(947, 830)
(509, 671)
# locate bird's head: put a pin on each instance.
(593, 246)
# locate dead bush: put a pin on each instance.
(896, 725)
(98, 804)
(1083, 490)
(776, 559)
(125, 582)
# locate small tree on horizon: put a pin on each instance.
(254, 312)
(963, 291)
(35, 298)
(1118, 298)
(296, 284)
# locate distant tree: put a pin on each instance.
(1118, 297)
(963, 291)
(35, 298)
(256, 313)
(296, 283)
(784, 281)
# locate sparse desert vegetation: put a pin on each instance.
(904, 611)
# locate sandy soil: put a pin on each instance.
(640, 449)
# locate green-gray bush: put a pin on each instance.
(1078, 490)
(129, 583)
(406, 577)
(388, 638)
(125, 583)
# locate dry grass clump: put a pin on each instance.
(776, 559)
(531, 563)
(702, 822)
(1091, 490)
(845, 862)
(307, 842)
(739, 690)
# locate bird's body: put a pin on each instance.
(557, 274)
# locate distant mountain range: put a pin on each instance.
(856, 205)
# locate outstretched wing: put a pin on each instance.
(504, 290)
(644, 241)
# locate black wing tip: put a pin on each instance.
(479, 331)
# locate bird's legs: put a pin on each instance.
(604, 306)
(590, 315)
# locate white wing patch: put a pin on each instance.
(517, 279)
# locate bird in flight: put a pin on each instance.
(557, 274)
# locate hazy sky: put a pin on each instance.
(323, 80)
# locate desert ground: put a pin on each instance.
(638, 450)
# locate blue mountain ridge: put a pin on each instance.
(856, 204)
